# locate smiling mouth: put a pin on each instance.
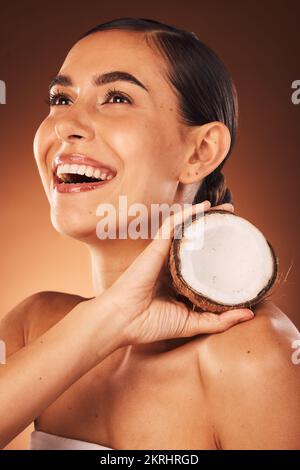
(77, 177)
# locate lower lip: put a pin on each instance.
(78, 187)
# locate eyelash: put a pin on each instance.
(52, 97)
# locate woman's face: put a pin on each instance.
(135, 137)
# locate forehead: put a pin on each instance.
(128, 51)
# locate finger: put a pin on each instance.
(149, 263)
(207, 322)
(227, 206)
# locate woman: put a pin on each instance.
(134, 368)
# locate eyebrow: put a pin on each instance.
(98, 80)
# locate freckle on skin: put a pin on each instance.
(248, 352)
(40, 378)
(220, 371)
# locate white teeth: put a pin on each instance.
(63, 169)
(89, 171)
(81, 170)
(97, 173)
(73, 169)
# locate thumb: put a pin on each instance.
(207, 322)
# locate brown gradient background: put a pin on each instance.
(259, 43)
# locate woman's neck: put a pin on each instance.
(109, 259)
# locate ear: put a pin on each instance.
(210, 144)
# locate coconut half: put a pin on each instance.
(221, 261)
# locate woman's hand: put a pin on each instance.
(152, 317)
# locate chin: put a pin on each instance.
(75, 225)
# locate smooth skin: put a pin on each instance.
(133, 368)
(54, 339)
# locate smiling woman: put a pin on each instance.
(110, 371)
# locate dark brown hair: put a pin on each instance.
(203, 86)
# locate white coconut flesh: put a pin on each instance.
(232, 264)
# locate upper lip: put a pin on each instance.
(80, 159)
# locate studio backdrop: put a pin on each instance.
(259, 43)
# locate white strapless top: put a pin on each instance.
(40, 440)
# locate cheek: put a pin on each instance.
(149, 158)
(143, 144)
(41, 144)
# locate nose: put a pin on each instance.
(70, 128)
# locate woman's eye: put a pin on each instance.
(61, 99)
(116, 94)
(58, 99)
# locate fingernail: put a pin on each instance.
(229, 206)
(247, 314)
(201, 205)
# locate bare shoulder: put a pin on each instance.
(34, 315)
(252, 381)
(267, 337)
(47, 308)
